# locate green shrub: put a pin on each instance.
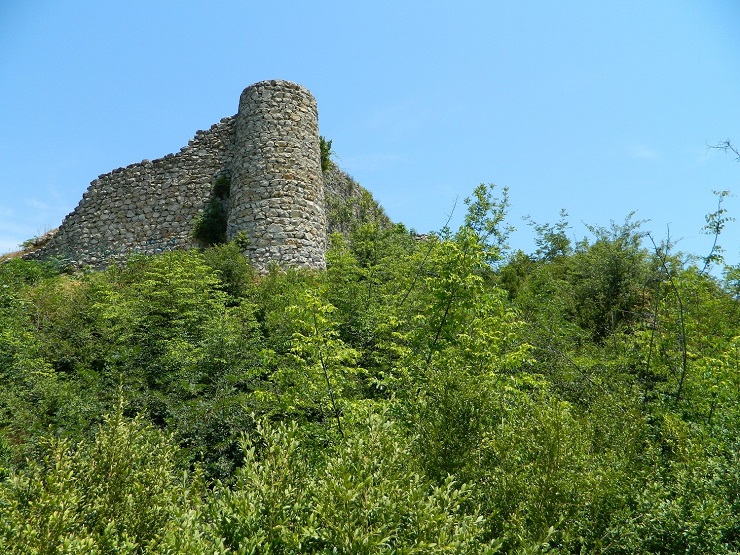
(210, 227)
(112, 496)
(363, 497)
(233, 268)
(326, 154)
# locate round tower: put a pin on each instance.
(277, 189)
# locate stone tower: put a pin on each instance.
(277, 189)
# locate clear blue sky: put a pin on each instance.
(600, 108)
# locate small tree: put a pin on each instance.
(326, 154)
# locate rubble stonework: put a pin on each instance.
(270, 152)
(277, 191)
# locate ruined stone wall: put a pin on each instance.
(348, 203)
(149, 207)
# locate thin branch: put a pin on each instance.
(448, 307)
(715, 224)
(684, 358)
(424, 260)
(326, 372)
(653, 328)
(727, 146)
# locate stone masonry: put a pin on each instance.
(277, 190)
(270, 152)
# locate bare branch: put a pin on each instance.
(727, 146)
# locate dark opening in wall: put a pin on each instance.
(210, 227)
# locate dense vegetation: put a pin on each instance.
(434, 394)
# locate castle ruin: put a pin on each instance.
(269, 152)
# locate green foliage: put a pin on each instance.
(425, 394)
(716, 223)
(552, 240)
(326, 154)
(486, 218)
(608, 278)
(17, 272)
(346, 215)
(222, 187)
(363, 496)
(210, 227)
(114, 495)
(324, 361)
(232, 267)
(601, 287)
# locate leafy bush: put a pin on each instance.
(362, 497)
(585, 394)
(232, 267)
(112, 496)
(326, 154)
(210, 227)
